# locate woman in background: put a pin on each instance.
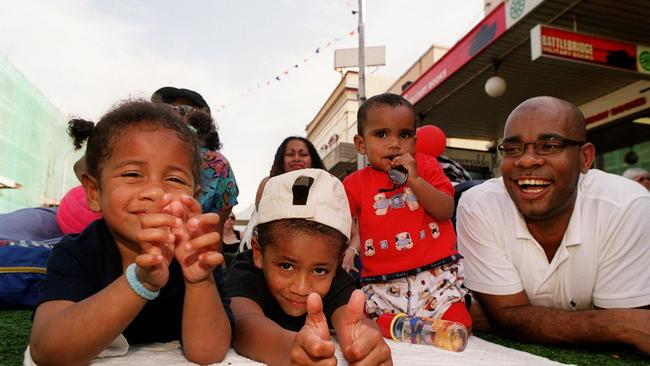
(231, 237)
(294, 153)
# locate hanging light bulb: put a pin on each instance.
(496, 85)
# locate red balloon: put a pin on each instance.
(430, 140)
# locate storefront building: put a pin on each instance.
(593, 53)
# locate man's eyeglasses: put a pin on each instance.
(548, 146)
(183, 109)
(642, 179)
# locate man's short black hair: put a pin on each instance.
(390, 99)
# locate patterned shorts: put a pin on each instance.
(429, 293)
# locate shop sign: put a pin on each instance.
(614, 106)
(517, 9)
(481, 36)
(564, 44)
(504, 16)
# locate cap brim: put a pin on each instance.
(168, 94)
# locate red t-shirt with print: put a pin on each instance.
(396, 233)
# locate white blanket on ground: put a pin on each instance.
(478, 352)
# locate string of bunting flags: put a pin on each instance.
(287, 70)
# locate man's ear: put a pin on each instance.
(91, 187)
(258, 256)
(587, 156)
(197, 191)
(360, 144)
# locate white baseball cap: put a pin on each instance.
(326, 201)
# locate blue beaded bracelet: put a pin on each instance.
(137, 286)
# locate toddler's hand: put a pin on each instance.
(197, 242)
(312, 343)
(348, 261)
(408, 162)
(361, 342)
(157, 243)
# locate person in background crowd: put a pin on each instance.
(556, 252)
(230, 237)
(294, 153)
(230, 240)
(639, 175)
(219, 189)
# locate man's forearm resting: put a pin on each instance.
(553, 326)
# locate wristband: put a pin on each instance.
(137, 286)
(356, 252)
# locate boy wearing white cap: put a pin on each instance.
(289, 290)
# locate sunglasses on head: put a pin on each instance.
(183, 109)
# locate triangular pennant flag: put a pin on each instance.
(286, 71)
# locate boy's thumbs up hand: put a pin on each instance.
(359, 337)
(312, 344)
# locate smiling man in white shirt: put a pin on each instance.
(556, 252)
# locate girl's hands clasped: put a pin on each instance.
(157, 243)
(197, 241)
(174, 227)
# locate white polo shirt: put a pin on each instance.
(603, 260)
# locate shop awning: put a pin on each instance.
(452, 95)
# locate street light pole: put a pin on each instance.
(361, 159)
(362, 56)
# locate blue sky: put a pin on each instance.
(87, 55)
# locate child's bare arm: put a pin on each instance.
(435, 202)
(69, 333)
(206, 328)
(257, 336)
(352, 250)
(61, 332)
(359, 337)
(311, 345)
